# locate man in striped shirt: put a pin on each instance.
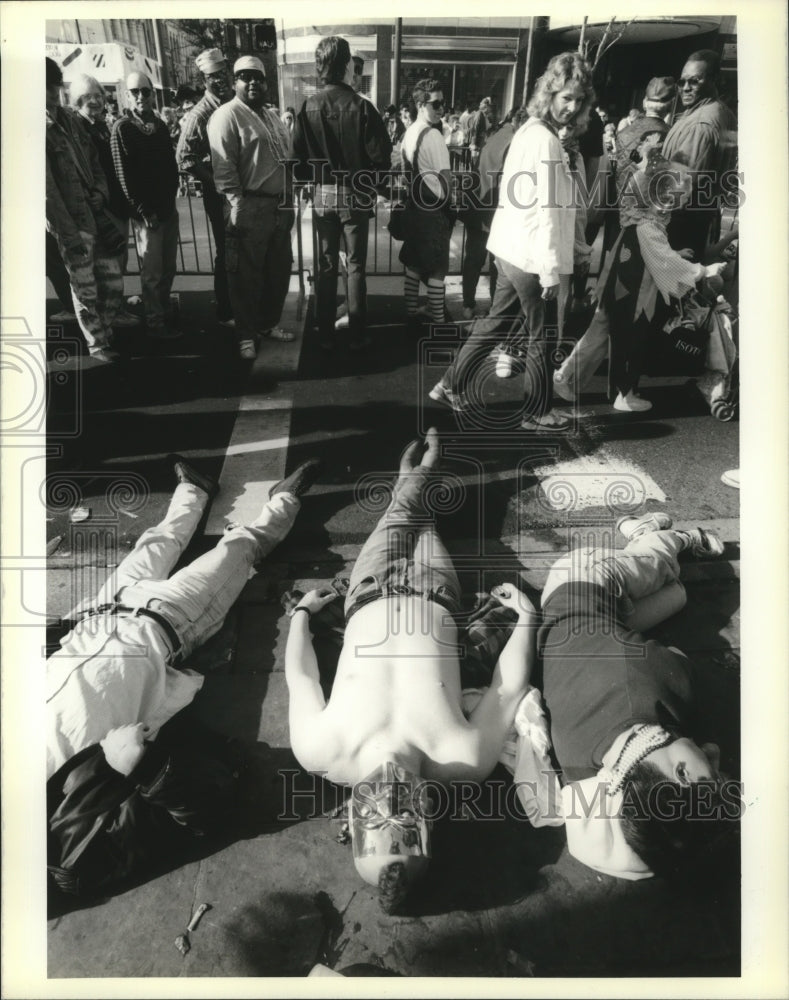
(145, 164)
(194, 157)
(250, 148)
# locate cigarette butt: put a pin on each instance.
(182, 944)
(201, 909)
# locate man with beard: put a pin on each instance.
(194, 157)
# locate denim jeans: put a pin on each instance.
(518, 298)
(643, 567)
(332, 225)
(404, 554)
(157, 250)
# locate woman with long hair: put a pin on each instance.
(532, 237)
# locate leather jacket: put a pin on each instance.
(339, 135)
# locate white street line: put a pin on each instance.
(257, 451)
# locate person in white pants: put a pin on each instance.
(119, 663)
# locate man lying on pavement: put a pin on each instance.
(394, 721)
(119, 664)
(640, 796)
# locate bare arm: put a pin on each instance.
(307, 736)
(493, 717)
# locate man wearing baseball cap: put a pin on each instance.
(658, 105)
(194, 157)
(250, 148)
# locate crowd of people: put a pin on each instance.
(396, 727)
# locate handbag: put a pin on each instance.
(397, 221)
(681, 346)
(398, 217)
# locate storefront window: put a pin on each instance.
(463, 83)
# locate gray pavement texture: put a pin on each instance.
(502, 899)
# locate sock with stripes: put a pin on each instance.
(411, 292)
(435, 298)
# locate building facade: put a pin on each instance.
(487, 57)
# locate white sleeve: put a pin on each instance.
(546, 156)
(672, 274)
(223, 141)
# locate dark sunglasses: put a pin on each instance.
(143, 91)
(250, 75)
(435, 105)
(219, 75)
(689, 81)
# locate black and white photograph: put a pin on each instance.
(394, 535)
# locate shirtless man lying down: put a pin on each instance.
(394, 722)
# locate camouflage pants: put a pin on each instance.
(96, 288)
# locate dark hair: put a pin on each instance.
(331, 59)
(423, 89)
(291, 110)
(392, 887)
(54, 74)
(390, 109)
(670, 826)
(710, 59)
(185, 93)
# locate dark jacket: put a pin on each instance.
(145, 166)
(339, 138)
(100, 135)
(104, 827)
(72, 167)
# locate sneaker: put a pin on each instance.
(186, 473)
(126, 319)
(633, 527)
(731, 478)
(441, 393)
(703, 542)
(300, 480)
(277, 333)
(164, 332)
(64, 316)
(468, 312)
(551, 422)
(229, 323)
(631, 403)
(342, 322)
(246, 350)
(504, 365)
(561, 388)
(104, 355)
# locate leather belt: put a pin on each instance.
(121, 609)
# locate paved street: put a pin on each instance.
(503, 899)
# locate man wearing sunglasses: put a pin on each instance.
(145, 164)
(194, 157)
(250, 148)
(703, 138)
